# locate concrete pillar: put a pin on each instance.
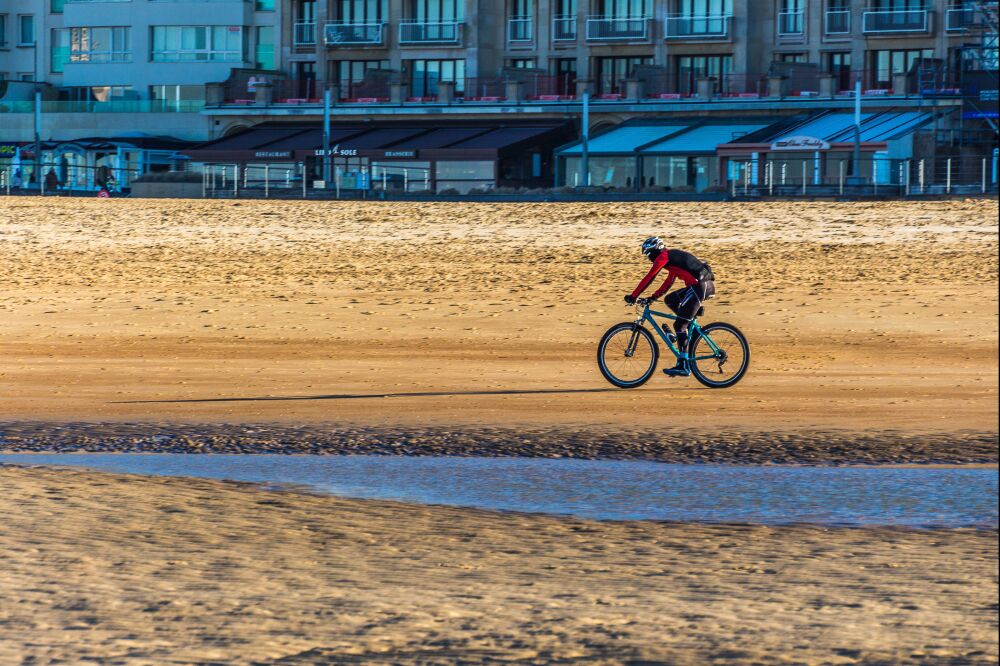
(446, 92)
(826, 85)
(584, 86)
(900, 83)
(264, 94)
(635, 89)
(776, 86)
(705, 87)
(215, 94)
(513, 91)
(399, 91)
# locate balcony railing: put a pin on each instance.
(790, 24)
(610, 29)
(339, 33)
(520, 30)
(959, 18)
(564, 29)
(837, 22)
(430, 32)
(697, 27)
(888, 22)
(305, 33)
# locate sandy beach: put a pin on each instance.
(137, 570)
(864, 318)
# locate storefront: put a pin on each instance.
(410, 157)
(819, 150)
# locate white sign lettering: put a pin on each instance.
(800, 143)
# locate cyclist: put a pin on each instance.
(699, 286)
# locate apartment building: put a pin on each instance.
(203, 69)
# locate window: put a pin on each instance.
(425, 74)
(59, 50)
(464, 176)
(839, 64)
(613, 70)
(26, 30)
(791, 57)
(704, 8)
(351, 74)
(200, 43)
(624, 8)
(25, 76)
(790, 15)
(56, 6)
(3, 30)
(565, 72)
(883, 64)
(433, 11)
(95, 93)
(522, 63)
(360, 11)
(99, 45)
(838, 17)
(264, 5)
(690, 68)
(264, 51)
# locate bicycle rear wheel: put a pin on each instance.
(627, 355)
(726, 363)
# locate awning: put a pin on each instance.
(820, 131)
(625, 139)
(703, 139)
(277, 142)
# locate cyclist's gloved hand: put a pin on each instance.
(630, 299)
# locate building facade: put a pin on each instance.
(198, 70)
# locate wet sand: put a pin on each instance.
(138, 570)
(872, 321)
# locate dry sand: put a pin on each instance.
(863, 317)
(136, 570)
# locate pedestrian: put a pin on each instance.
(17, 181)
(51, 180)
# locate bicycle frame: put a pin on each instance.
(648, 316)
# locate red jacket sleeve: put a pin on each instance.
(658, 265)
(667, 284)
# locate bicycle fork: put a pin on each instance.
(633, 341)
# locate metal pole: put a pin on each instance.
(236, 180)
(841, 177)
(246, 170)
(947, 177)
(327, 158)
(874, 176)
(920, 176)
(803, 176)
(204, 184)
(267, 181)
(303, 165)
(784, 170)
(406, 180)
(984, 176)
(585, 140)
(337, 177)
(857, 128)
(907, 177)
(38, 133)
(288, 178)
(385, 179)
(901, 178)
(770, 178)
(746, 179)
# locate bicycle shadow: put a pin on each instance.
(370, 396)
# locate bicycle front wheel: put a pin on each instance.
(627, 355)
(721, 355)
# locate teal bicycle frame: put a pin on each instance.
(694, 330)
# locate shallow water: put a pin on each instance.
(604, 489)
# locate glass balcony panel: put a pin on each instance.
(305, 33)
(790, 23)
(895, 21)
(631, 28)
(352, 33)
(520, 29)
(564, 29)
(697, 27)
(838, 22)
(429, 32)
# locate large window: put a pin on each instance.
(351, 74)
(96, 45)
(425, 74)
(59, 50)
(839, 64)
(464, 176)
(565, 72)
(437, 10)
(3, 30)
(198, 43)
(690, 68)
(704, 7)
(883, 64)
(624, 8)
(790, 15)
(26, 30)
(613, 70)
(264, 47)
(360, 11)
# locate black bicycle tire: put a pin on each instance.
(607, 373)
(746, 353)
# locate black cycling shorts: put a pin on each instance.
(685, 302)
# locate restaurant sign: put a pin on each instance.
(272, 154)
(800, 143)
(8, 149)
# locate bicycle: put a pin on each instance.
(627, 354)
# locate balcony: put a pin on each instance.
(353, 34)
(520, 30)
(960, 18)
(897, 21)
(837, 22)
(697, 27)
(304, 33)
(791, 24)
(564, 29)
(609, 29)
(429, 32)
